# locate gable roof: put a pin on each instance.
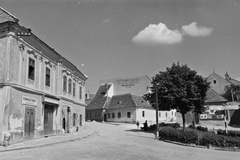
(214, 97)
(128, 100)
(100, 98)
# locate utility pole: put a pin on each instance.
(157, 134)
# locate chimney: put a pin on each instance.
(227, 76)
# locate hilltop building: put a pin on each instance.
(41, 91)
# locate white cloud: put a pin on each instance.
(158, 34)
(105, 21)
(194, 30)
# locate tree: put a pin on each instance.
(179, 88)
(232, 92)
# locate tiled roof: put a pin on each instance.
(128, 100)
(214, 97)
(100, 98)
(235, 82)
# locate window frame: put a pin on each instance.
(143, 113)
(80, 92)
(31, 75)
(74, 89)
(128, 114)
(113, 115)
(70, 86)
(65, 83)
(47, 77)
(119, 114)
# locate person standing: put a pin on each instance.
(145, 126)
(137, 124)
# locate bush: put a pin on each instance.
(219, 140)
(231, 133)
(200, 128)
(169, 133)
(173, 125)
(197, 137)
(191, 126)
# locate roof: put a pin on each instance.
(233, 81)
(128, 100)
(100, 98)
(6, 16)
(214, 97)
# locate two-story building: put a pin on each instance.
(41, 92)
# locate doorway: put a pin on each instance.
(105, 117)
(48, 119)
(29, 122)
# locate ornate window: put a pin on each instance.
(70, 86)
(65, 83)
(31, 68)
(47, 77)
(80, 92)
(74, 89)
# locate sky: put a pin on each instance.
(126, 38)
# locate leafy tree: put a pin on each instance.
(179, 88)
(232, 92)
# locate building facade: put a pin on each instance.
(129, 108)
(121, 100)
(41, 91)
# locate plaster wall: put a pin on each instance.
(76, 109)
(3, 50)
(220, 84)
(134, 85)
(123, 117)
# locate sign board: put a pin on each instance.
(29, 100)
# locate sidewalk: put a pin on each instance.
(84, 132)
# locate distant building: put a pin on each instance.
(132, 108)
(121, 100)
(41, 91)
(88, 98)
(214, 113)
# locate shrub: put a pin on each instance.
(198, 137)
(173, 125)
(169, 133)
(191, 126)
(200, 128)
(231, 133)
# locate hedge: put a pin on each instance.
(173, 125)
(230, 133)
(198, 137)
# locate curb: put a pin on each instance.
(196, 146)
(49, 144)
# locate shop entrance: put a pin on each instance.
(29, 122)
(48, 119)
